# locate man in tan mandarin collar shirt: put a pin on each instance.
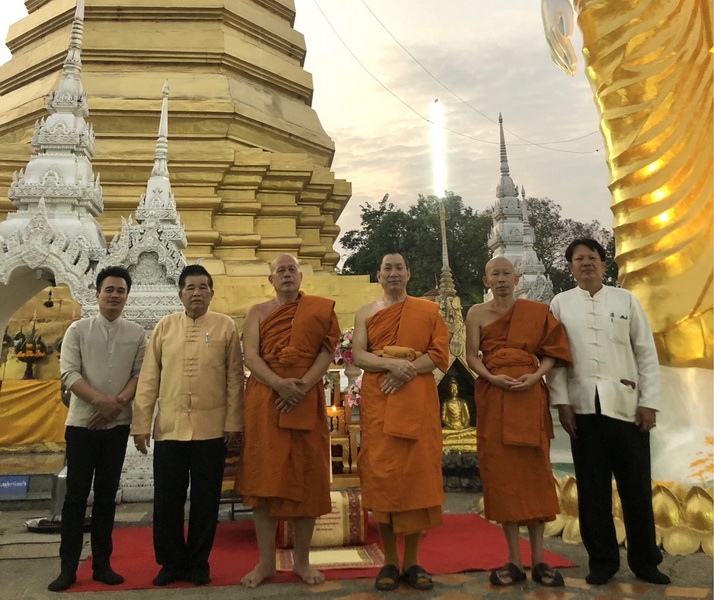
(193, 372)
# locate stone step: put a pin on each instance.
(37, 496)
(39, 501)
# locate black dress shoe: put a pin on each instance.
(63, 581)
(107, 576)
(652, 575)
(165, 577)
(599, 577)
(199, 576)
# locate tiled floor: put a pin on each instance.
(28, 562)
(26, 569)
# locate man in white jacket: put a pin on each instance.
(607, 403)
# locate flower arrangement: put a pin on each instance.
(327, 382)
(343, 350)
(354, 393)
(29, 349)
(331, 380)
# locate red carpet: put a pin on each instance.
(462, 543)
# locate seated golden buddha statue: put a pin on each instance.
(454, 410)
(455, 420)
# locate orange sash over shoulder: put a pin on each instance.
(512, 344)
(416, 335)
(285, 460)
(290, 340)
(400, 456)
(514, 428)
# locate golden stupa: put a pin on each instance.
(249, 159)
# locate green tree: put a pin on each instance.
(466, 233)
(382, 230)
(416, 234)
(552, 235)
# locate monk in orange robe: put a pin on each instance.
(520, 341)
(284, 471)
(399, 341)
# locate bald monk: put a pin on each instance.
(284, 472)
(520, 341)
(399, 341)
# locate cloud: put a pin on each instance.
(384, 147)
(493, 55)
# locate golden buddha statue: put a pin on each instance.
(456, 419)
(455, 412)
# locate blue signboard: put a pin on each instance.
(15, 485)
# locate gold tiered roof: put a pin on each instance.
(250, 159)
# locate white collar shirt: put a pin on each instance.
(613, 354)
(107, 354)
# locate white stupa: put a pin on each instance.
(53, 236)
(512, 236)
(150, 246)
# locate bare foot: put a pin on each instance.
(259, 574)
(309, 574)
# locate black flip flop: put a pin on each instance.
(387, 578)
(511, 571)
(418, 578)
(544, 571)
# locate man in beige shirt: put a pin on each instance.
(101, 358)
(193, 372)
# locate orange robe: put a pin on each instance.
(400, 455)
(514, 429)
(285, 461)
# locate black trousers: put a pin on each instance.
(603, 447)
(175, 464)
(97, 454)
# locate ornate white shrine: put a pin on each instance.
(512, 236)
(53, 236)
(150, 248)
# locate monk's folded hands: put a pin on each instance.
(503, 381)
(403, 369)
(525, 382)
(391, 384)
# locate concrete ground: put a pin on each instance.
(28, 562)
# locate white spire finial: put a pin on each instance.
(73, 62)
(157, 207)
(161, 168)
(504, 158)
(524, 206)
(70, 96)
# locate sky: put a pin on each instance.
(378, 66)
